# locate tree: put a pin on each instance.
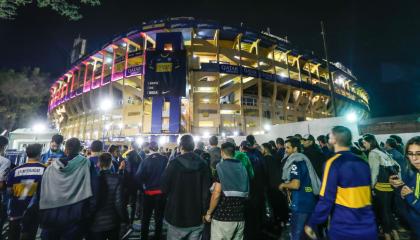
(22, 95)
(63, 7)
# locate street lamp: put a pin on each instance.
(351, 117)
(39, 127)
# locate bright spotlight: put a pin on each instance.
(106, 104)
(351, 117)
(196, 138)
(223, 134)
(39, 127)
(139, 141)
(163, 140)
(206, 134)
(235, 133)
(267, 127)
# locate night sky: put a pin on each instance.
(378, 40)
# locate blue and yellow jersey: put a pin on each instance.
(24, 182)
(50, 154)
(346, 195)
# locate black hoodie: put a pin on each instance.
(186, 182)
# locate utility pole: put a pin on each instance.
(331, 83)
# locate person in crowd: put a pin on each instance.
(400, 145)
(381, 167)
(273, 147)
(5, 166)
(323, 143)
(24, 205)
(241, 156)
(273, 179)
(214, 150)
(298, 136)
(186, 183)
(345, 194)
(280, 148)
(200, 148)
(391, 148)
(230, 190)
(132, 188)
(144, 151)
(110, 212)
(303, 184)
(312, 151)
(408, 188)
(114, 150)
(66, 195)
(96, 148)
(55, 152)
(149, 177)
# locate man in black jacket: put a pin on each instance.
(149, 177)
(313, 152)
(186, 183)
(132, 191)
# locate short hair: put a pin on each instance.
(105, 160)
(280, 141)
(342, 136)
(322, 139)
(298, 136)
(309, 137)
(371, 139)
(391, 142)
(57, 138)
(295, 142)
(134, 144)
(3, 142)
(231, 140)
(187, 143)
(228, 148)
(272, 143)
(213, 140)
(112, 148)
(153, 146)
(73, 146)
(251, 139)
(200, 145)
(96, 146)
(267, 147)
(34, 150)
(397, 138)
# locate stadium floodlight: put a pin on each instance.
(39, 127)
(206, 134)
(267, 127)
(351, 117)
(139, 140)
(235, 133)
(163, 140)
(106, 104)
(196, 138)
(223, 134)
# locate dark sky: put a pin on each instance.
(378, 40)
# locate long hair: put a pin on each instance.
(372, 141)
(412, 141)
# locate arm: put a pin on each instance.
(410, 198)
(292, 185)
(374, 162)
(215, 197)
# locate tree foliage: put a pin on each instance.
(22, 94)
(65, 8)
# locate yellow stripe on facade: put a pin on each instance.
(354, 197)
(326, 172)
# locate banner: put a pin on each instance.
(165, 73)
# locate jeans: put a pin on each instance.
(297, 223)
(154, 203)
(72, 232)
(189, 233)
(227, 230)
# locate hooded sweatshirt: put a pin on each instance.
(186, 182)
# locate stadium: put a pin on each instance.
(183, 75)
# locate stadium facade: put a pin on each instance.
(179, 75)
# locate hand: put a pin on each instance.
(122, 165)
(281, 187)
(310, 232)
(395, 181)
(405, 191)
(207, 218)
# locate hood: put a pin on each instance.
(191, 161)
(66, 166)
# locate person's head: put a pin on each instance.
(251, 140)
(186, 143)
(200, 146)
(3, 144)
(72, 147)
(307, 140)
(340, 137)
(390, 143)
(213, 141)
(280, 143)
(134, 146)
(273, 144)
(206, 157)
(153, 146)
(322, 140)
(266, 149)
(105, 161)
(412, 152)
(231, 140)
(114, 150)
(292, 146)
(56, 142)
(397, 138)
(245, 146)
(228, 150)
(370, 142)
(33, 151)
(360, 143)
(298, 136)
(96, 146)
(145, 147)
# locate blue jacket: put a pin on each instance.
(346, 195)
(412, 180)
(149, 174)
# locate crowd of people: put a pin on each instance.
(327, 187)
